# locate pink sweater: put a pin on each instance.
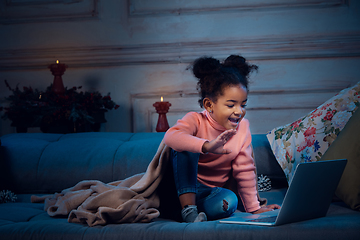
(190, 133)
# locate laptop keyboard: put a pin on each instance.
(265, 219)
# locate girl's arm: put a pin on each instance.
(182, 136)
(244, 171)
(245, 175)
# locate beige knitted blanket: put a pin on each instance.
(126, 201)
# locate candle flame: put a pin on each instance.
(57, 61)
(162, 99)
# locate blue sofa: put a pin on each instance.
(40, 163)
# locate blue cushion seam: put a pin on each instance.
(83, 235)
(130, 139)
(29, 219)
(113, 162)
(38, 165)
(38, 162)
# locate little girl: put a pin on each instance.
(211, 146)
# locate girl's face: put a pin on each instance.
(229, 108)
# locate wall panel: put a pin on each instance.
(286, 47)
(139, 50)
(30, 11)
(156, 7)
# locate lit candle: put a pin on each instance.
(58, 69)
(162, 108)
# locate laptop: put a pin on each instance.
(309, 195)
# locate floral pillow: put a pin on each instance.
(308, 138)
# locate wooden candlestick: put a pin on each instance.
(162, 108)
(58, 69)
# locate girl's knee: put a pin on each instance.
(224, 205)
(229, 202)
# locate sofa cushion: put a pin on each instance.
(80, 156)
(14, 160)
(49, 228)
(20, 212)
(340, 223)
(75, 160)
(347, 145)
(50, 137)
(134, 156)
(308, 138)
(121, 136)
(266, 163)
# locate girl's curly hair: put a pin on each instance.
(214, 76)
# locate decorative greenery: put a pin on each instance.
(33, 108)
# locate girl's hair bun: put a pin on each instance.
(205, 66)
(239, 62)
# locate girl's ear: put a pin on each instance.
(208, 104)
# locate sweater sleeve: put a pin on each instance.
(245, 175)
(182, 136)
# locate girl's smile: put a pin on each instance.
(229, 108)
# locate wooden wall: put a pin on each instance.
(139, 50)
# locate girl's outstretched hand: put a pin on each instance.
(217, 145)
(267, 208)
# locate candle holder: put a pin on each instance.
(58, 69)
(162, 108)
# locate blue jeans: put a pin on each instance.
(216, 202)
